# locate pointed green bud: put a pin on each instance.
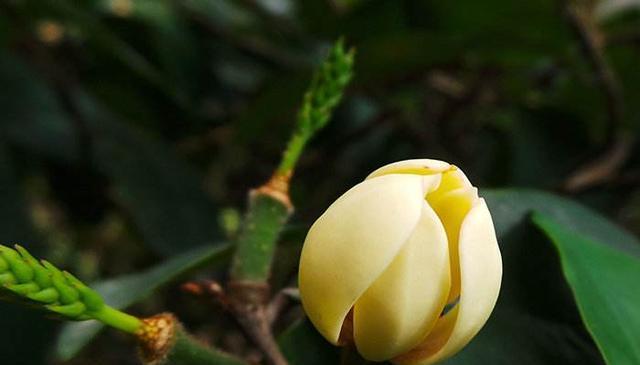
(24, 289)
(90, 297)
(4, 266)
(40, 274)
(69, 310)
(67, 293)
(7, 278)
(48, 296)
(20, 269)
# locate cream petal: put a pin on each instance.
(354, 241)
(481, 275)
(404, 303)
(417, 166)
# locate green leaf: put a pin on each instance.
(303, 345)
(536, 320)
(509, 207)
(604, 283)
(515, 337)
(127, 290)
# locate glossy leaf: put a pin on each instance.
(509, 207)
(604, 282)
(536, 321)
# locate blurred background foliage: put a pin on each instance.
(131, 131)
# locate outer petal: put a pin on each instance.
(418, 167)
(402, 306)
(481, 275)
(354, 241)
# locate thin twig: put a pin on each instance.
(604, 168)
(582, 22)
(581, 19)
(277, 305)
(246, 302)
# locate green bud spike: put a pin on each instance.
(48, 296)
(90, 297)
(69, 310)
(3, 265)
(19, 268)
(67, 293)
(7, 279)
(326, 89)
(42, 284)
(40, 274)
(24, 289)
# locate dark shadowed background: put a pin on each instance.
(131, 131)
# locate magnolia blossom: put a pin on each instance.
(406, 262)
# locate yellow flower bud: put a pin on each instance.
(411, 253)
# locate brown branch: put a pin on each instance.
(579, 14)
(278, 304)
(246, 301)
(602, 169)
(582, 22)
(248, 304)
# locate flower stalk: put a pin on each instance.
(270, 206)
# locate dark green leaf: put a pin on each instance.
(303, 345)
(604, 283)
(536, 320)
(509, 207)
(515, 337)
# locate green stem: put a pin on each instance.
(188, 351)
(292, 152)
(257, 242)
(269, 206)
(119, 320)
